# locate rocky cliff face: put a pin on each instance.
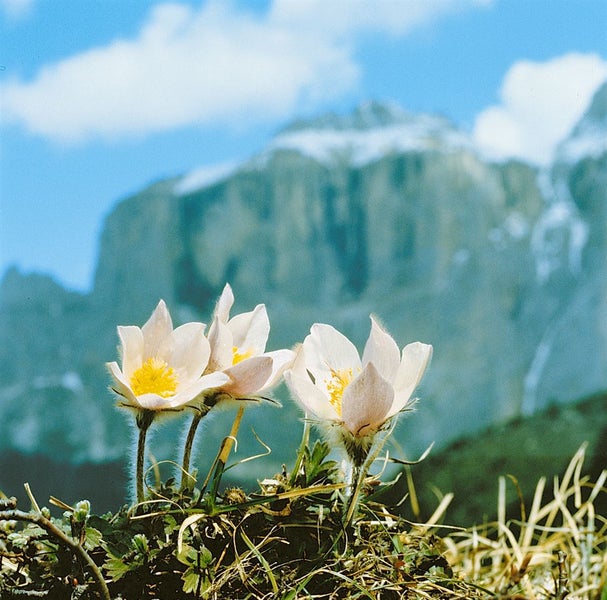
(501, 267)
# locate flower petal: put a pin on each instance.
(249, 376)
(281, 360)
(415, 359)
(191, 352)
(224, 304)
(309, 397)
(299, 363)
(221, 343)
(156, 333)
(194, 393)
(156, 402)
(121, 384)
(382, 351)
(326, 350)
(131, 348)
(366, 402)
(212, 380)
(251, 329)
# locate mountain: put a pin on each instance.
(498, 265)
(523, 451)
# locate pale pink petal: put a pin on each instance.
(156, 402)
(192, 393)
(309, 397)
(191, 351)
(415, 359)
(239, 325)
(326, 350)
(249, 376)
(156, 333)
(221, 343)
(121, 384)
(212, 380)
(251, 330)
(382, 351)
(366, 402)
(281, 360)
(131, 348)
(224, 304)
(299, 363)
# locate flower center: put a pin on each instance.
(238, 355)
(336, 385)
(154, 376)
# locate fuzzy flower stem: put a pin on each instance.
(353, 477)
(349, 477)
(186, 479)
(358, 475)
(144, 420)
(361, 455)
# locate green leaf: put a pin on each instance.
(187, 556)
(398, 544)
(93, 538)
(140, 544)
(170, 524)
(316, 465)
(195, 582)
(116, 568)
(205, 557)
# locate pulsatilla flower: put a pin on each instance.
(238, 349)
(237, 352)
(162, 368)
(355, 397)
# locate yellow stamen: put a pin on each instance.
(336, 386)
(154, 376)
(237, 355)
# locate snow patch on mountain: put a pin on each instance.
(204, 176)
(363, 146)
(560, 234)
(590, 144)
(589, 137)
(514, 227)
(366, 135)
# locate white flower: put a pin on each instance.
(238, 349)
(332, 383)
(162, 367)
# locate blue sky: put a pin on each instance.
(98, 98)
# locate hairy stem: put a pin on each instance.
(358, 476)
(144, 420)
(186, 479)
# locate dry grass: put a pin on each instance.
(557, 549)
(289, 543)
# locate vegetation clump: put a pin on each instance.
(318, 529)
(288, 541)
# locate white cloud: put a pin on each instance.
(540, 104)
(212, 65)
(16, 9)
(346, 17)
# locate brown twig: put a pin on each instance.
(62, 538)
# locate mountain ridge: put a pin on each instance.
(440, 244)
